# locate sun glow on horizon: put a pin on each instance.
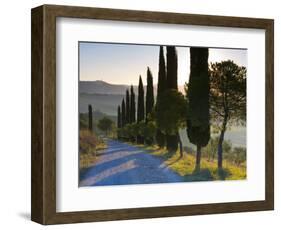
(122, 64)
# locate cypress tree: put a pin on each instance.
(133, 106)
(172, 68)
(90, 118)
(119, 122)
(127, 107)
(140, 109)
(161, 87)
(162, 78)
(172, 84)
(132, 111)
(198, 118)
(123, 113)
(149, 95)
(149, 103)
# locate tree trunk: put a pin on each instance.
(220, 150)
(140, 140)
(198, 158)
(213, 155)
(172, 142)
(160, 138)
(180, 144)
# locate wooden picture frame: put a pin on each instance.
(43, 204)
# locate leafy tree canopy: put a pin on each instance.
(171, 111)
(105, 124)
(227, 92)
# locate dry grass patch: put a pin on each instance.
(89, 147)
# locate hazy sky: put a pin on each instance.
(123, 63)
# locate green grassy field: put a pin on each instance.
(185, 166)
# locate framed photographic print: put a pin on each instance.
(141, 114)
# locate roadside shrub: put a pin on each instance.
(210, 151)
(87, 142)
(238, 155)
(149, 132)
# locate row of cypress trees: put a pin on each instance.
(127, 110)
(197, 118)
(191, 111)
(167, 80)
(197, 115)
(127, 113)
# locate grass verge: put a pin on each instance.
(185, 166)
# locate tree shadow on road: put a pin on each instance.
(206, 175)
(199, 175)
(223, 173)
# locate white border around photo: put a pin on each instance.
(72, 198)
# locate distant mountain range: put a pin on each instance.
(102, 87)
(105, 98)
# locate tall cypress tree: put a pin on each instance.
(127, 107)
(149, 103)
(198, 120)
(161, 87)
(132, 111)
(119, 121)
(140, 109)
(90, 118)
(123, 113)
(149, 95)
(172, 84)
(162, 78)
(172, 68)
(133, 106)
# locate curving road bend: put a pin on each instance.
(123, 164)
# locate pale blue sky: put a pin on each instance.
(123, 63)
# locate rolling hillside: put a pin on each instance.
(105, 98)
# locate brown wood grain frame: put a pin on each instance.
(43, 160)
